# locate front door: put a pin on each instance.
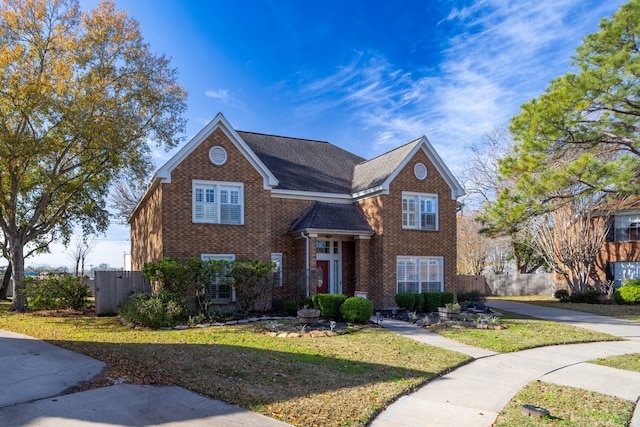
(323, 277)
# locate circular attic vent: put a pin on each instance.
(218, 155)
(420, 171)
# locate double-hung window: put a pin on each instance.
(420, 211)
(220, 290)
(218, 202)
(419, 274)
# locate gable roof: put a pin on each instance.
(219, 122)
(375, 175)
(332, 217)
(303, 164)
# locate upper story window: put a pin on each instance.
(218, 202)
(420, 211)
(627, 227)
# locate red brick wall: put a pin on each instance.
(185, 239)
(391, 240)
(146, 231)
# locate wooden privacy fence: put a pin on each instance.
(114, 287)
(508, 284)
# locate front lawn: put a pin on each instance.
(522, 332)
(344, 380)
(568, 406)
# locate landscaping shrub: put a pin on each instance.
(627, 294)
(446, 298)
(309, 302)
(472, 296)
(357, 310)
(154, 311)
(419, 303)
(432, 301)
(291, 308)
(53, 292)
(589, 297)
(406, 300)
(329, 304)
(562, 295)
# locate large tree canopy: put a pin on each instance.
(80, 96)
(581, 137)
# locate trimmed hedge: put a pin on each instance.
(446, 298)
(357, 310)
(329, 304)
(432, 301)
(291, 307)
(406, 300)
(627, 294)
(419, 303)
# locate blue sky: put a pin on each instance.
(366, 75)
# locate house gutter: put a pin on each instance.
(306, 251)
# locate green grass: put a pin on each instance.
(522, 332)
(628, 362)
(627, 312)
(568, 406)
(333, 381)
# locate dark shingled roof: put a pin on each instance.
(303, 164)
(332, 217)
(374, 172)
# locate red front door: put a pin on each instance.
(323, 276)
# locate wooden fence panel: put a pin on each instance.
(508, 284)
(114, 287)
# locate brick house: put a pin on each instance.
(619, 258)
(333, 221)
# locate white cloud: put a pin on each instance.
(503, 54)
(221, 95)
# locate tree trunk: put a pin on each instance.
(16, 253)
(6, 281)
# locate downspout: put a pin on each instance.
(306, 252)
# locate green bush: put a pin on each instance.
(432, 301)
(329, 304)
(406, 300)
(53, 292)
(446, 298)
(154, 311)
(309, 303)
(627, 294)
(357, 310)
(472, 296)
(562, 295)
(291, 307)
(588, 297)
(419, 303)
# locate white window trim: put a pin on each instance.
(221, 257)
(217, 184)
(420, 197)
(420, 260)
(277, 257)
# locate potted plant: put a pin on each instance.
(450, 311)
(308, 316)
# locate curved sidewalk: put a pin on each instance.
(474, 394)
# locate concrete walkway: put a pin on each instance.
(36, 377)
(474, 394)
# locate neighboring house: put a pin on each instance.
(333, 221)
(619, 259)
